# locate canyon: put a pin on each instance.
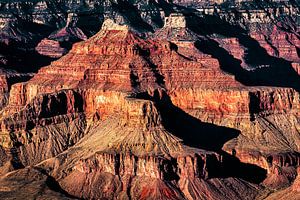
(149, 99)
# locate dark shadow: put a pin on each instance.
(53, 184)
(274, 72)
(57, 104)
(191, 130)
(20, 48)
(201, 135)
(169, 167)
(90, 22)
(22, 59)
(134, 79)
(16, 162)
(266, 70)
(18, 79)
(231, 166)
(159, 78)
(34, 30)
(167, 7)
(132, 14)
(194, 132)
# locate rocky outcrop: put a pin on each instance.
(291, 192)
(29, 183)
(245, 102)
(50, 48)
(279, 43)
(125, 171)
(133, 70)
(7, 79)
(204, 106)
(296, 182)
(267, 23)
(29, 135)
(121, 156)
(280, 177)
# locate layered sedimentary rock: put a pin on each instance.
(9, 77)
(273, 24)
(196, 109)
(118, 59)
(30, 183)
(50, 48)
(44, 128)
(123, 155)
(101, 79)
(279, 43)
(291, 192)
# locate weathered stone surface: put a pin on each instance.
(29, 183)
(164, 102)
(50, 48)
(291, 192)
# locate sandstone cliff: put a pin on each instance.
(165, 101)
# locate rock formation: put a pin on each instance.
(182, 100)
(50, 48)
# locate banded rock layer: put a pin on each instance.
(176, 114)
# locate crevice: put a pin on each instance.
(160, 79)
(134, 79)
(16, 161)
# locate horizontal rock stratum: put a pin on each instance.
(182, 100)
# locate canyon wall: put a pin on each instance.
(150, 100)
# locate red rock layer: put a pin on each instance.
(117, 59)
(245, 102)
(112, 87)
(279, 43)
(233, 46)
(159, 173)
(50, 48)
(291, 192)
(296, 184)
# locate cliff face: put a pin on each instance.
(166, 101)
(272, 24)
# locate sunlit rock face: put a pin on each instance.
(50, 48)
(149, 100)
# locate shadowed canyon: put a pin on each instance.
(152, 100)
